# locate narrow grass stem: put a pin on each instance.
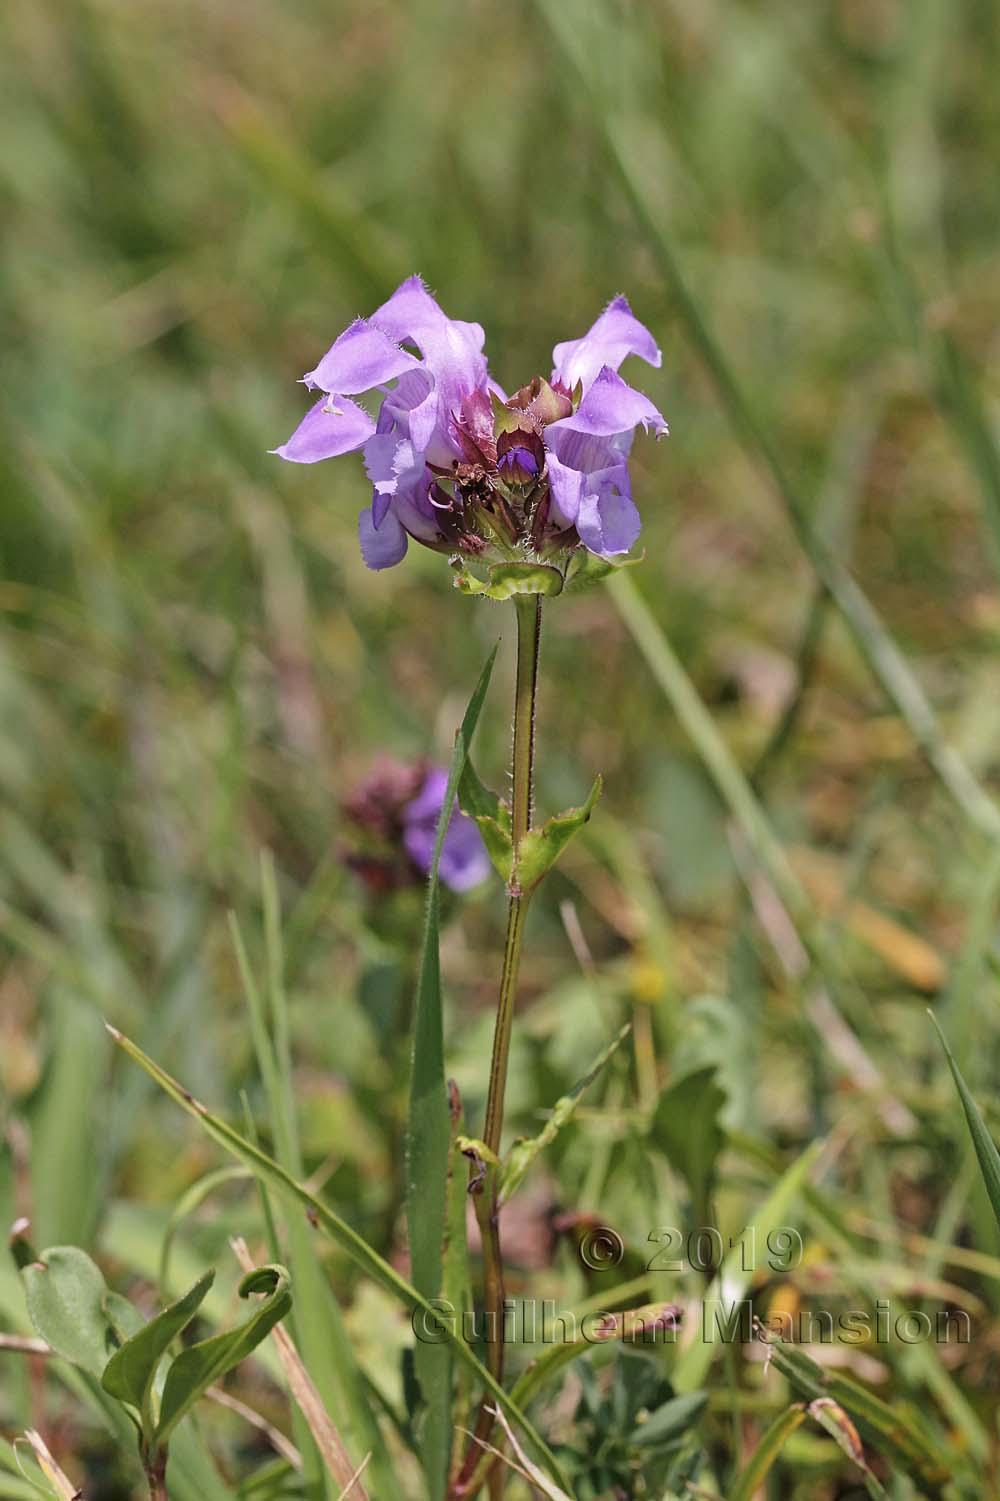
(529, 624)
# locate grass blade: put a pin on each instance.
(986, 1151)
(894, 1430)
(360, 1252)
(737, 793)
(875, 643)
(766, 1452)
(428, 1138)
(316, 1320)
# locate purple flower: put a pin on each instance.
(460, 468)
(394, 813)
(464, 862)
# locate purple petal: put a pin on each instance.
(411, 407)
(585, 454)
(607, 520)
(616, 334)
(609, 409)
(401, 482)
(413, 507)
(363, 357)
(333, 426)
(452, 349)
(565, 486)
(464, 862)
(391, 464)
(384, 545)
(412, 314)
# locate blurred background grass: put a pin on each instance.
(195, 664)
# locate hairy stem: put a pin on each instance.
(529, 624)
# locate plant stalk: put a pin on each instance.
(156, 1478)
(529, 624)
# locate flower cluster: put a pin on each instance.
(394, 814)
(460, 467)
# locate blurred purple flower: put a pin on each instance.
(457, 466)
(464, 862)
(394, 811)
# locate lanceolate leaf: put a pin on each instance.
(130, 1372)
(200, 1366)
(986, 1151)
(429, 1132)
(478, 800)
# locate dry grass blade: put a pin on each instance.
(60, 1482)
(355, 1479)
(535, 1477)
(303, 1390)
(274, 1436)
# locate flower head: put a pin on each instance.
(459, 467)
(394, 813)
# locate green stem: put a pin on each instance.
(529, 629)
(529, 624)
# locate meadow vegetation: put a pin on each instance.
(794, 702)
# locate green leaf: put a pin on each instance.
(586, 568)
(686, 1126)
(201, 1365)
(67, 1303)
(507, 579)
(369, 1261)
(896, 1430)
(493, 817)
(523, 1152)
(669, 1422)
(130, 1372)
(540, 848)
(478, 800)
(123, 1316)
(753, 1476)
(499, 846)
(986, 1151)
(428, 1138)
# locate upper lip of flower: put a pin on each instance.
(441, 415)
